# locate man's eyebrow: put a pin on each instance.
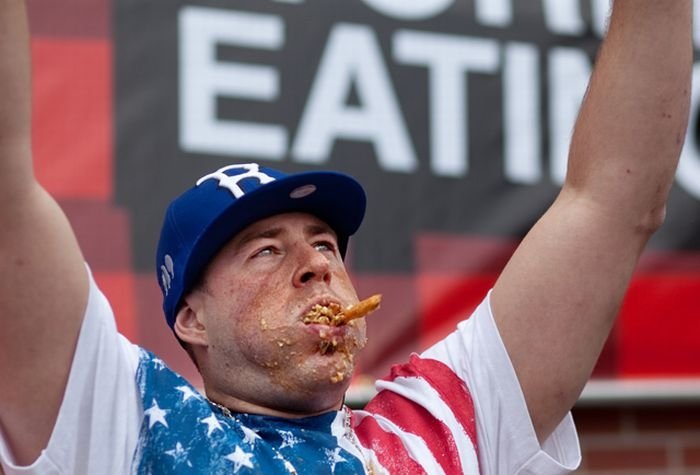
(259, 234)
(310, 230)
(314, 229)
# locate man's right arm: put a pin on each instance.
(44, 287)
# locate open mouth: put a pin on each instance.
(328, 347)
(333, 315)
(323, 314)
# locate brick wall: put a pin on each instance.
(640, 439)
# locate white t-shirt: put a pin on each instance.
(455, 408)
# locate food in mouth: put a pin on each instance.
(332, 314)
(322, 314)
(327, 346)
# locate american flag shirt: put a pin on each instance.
(182, 432)
(455, 408)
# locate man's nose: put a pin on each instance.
(312, 266)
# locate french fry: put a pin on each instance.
(358, 310)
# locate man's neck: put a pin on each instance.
(237, 405)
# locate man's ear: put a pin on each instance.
(189, 326)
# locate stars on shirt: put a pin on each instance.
(158, 364)
(179, 454)
(155, 415)
(240, 458)
(288, 439)
(334, 457)
(287, 464)
(181, 432)
(212, 424)
(249, 436)
(187, 393)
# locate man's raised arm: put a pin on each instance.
(558, 297)
(43, 289)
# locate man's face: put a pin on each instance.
(254, 296)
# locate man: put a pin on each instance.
(240, 271)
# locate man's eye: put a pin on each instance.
(267, 251)
(324, 246)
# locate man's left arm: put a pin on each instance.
(557, 299)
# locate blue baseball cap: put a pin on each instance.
(204, 218)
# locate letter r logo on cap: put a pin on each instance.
(231, 182)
